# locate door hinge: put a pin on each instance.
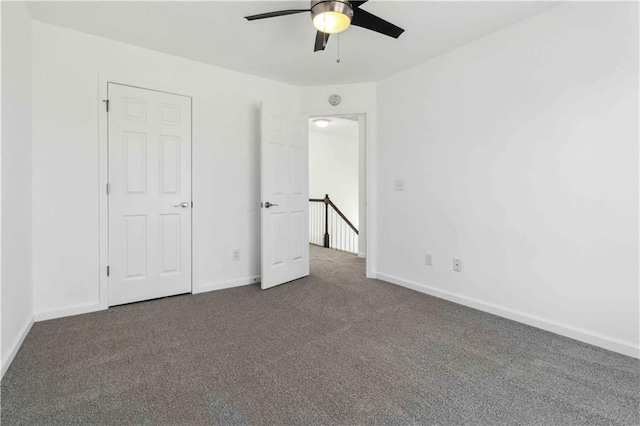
(106, 102)
(192, 204)
(108, 189)
(108, 270)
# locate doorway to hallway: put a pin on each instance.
(337, 176)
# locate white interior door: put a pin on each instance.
(149, 194)
(285, 196)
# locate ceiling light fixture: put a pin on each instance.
(334, 16)
(331, 17)
(321, 122)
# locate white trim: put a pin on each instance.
(68, 311)
(226, 284)
(103, 167)
(4, 365)
(586, 336)
(103, 203)
(362, 255)
(371, 151)
(362, 186)
(15, 346)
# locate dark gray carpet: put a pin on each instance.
(333, 348)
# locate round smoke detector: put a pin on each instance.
(334, 99)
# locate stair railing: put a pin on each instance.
(329, 227)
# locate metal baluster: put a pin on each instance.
(310, 222)
(334, 232)
(313, 222)
(338, 231)
(330, 229)
(331, 234)
(333, 229)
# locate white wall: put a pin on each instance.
(226, 167)
(16, 278)
(333, 165)
(356, 99)
(520, 156)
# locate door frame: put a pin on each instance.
(103, 167)
(366, 142)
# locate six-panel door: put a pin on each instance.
(150, 194)
(285, 183)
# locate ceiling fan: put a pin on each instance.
(335, 16)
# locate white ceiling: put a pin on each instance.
(282, 48)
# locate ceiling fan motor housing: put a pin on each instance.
(319, 7)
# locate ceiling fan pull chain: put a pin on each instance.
(338, 58)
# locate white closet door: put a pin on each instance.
(150, 194)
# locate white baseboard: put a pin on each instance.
(362, 255)
(592, 338)
(226, 284)
(67, 312)
(15, 346)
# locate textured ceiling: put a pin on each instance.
(282, 48)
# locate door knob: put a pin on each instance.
(183, 205)
(268, 204)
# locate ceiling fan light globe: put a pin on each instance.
(331, 17)
(331, 22)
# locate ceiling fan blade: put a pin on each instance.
(321, 41)
(364, 19)
(355, 4)
(274, 14)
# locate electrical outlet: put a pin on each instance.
(457, 265)
(399, 185)
(236, 254)
(428, 259)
